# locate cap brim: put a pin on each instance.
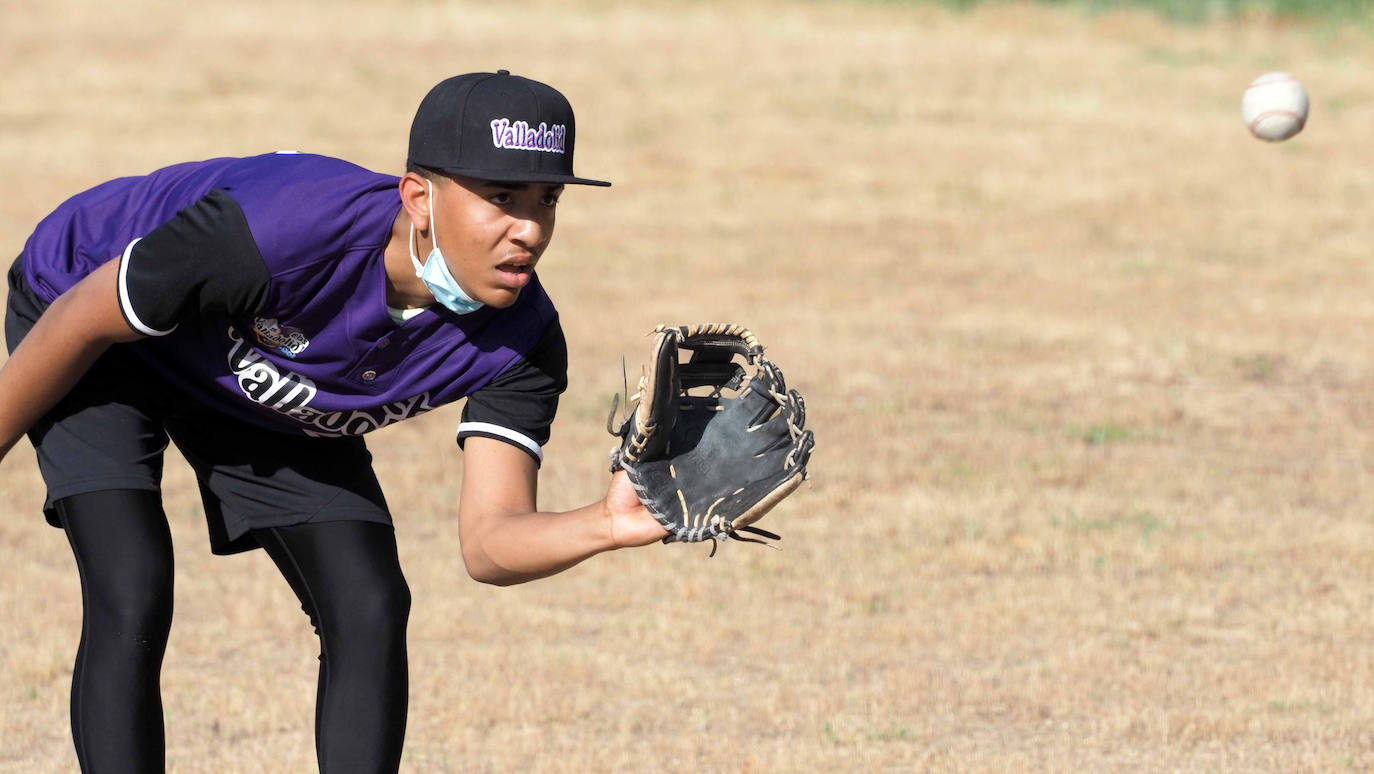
(510, 176)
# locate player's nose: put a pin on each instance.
(530, 232)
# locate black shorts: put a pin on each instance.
(111, 430)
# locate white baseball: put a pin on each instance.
(1274, 106)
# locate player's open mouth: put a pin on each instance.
(516, 275)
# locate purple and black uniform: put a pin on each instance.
(268, 353)
(261, 287)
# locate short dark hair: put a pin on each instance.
(427, 172)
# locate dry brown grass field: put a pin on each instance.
(1087, 367)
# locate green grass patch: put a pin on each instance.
(1100, 435)
(1259, 367)
(892, 735)
(877, 604)
(1146, 523)
(1356, 12)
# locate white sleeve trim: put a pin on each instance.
(471, 428)
(125, 304)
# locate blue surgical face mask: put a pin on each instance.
(435, 271)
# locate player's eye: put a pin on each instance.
(503, 198)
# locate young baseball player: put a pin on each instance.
(264, 313)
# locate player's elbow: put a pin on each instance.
(482, 569)
(493, 578)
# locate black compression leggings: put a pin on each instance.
(124, 554)
(347, 577)
(349, 581)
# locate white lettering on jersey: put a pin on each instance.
(290, 394)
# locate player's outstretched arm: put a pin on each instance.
(507, 541)
(80, 325)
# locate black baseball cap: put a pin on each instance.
(496, 126)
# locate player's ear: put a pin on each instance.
(415, 199)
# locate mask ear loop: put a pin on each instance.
(434, 237)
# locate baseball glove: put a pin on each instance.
(713, 443)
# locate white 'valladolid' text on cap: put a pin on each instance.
(519, 136)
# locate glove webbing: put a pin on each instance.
(733, 534)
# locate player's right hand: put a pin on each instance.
(631, 524)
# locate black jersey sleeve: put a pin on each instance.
(202, 261)
(518, 406)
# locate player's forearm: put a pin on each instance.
(522, 547)
(60, 348)
(42, 369)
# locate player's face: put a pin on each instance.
(492, 234)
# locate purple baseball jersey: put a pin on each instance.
(261, 286)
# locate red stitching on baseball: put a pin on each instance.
(1254, 124)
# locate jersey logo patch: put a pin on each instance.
(281, 338)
